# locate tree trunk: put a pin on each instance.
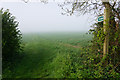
(106, 31)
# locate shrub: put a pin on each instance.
(11, 39)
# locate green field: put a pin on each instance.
(48, 55)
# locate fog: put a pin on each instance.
(39, 17)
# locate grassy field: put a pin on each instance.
(47, 55)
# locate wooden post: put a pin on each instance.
(106, 29)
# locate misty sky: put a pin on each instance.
(39, 17)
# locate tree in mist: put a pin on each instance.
(11, 38)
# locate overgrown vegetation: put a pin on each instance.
(48, 55)
(108, 64)
(112, 59)
(60, 55)
(11, 40)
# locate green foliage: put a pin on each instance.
(11, 39)
(114, 48)
(53, 56)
